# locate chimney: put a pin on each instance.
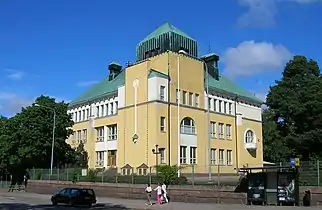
(211, 61)
(115, 69)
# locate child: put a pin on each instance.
(158, 189)
(148, 191)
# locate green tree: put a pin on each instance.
(81, 156)
(26, 138)
(296, 101)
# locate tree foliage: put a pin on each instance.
(26, 138)
(292, 125)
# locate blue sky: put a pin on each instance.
(59, 48)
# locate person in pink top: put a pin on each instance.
(158, 189)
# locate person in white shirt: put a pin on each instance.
(158, 189)
(148, 191)
(164, 190)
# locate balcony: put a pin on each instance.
(250, 145)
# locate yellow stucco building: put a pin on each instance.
(161, 99)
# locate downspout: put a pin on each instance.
(169, 115)
(236, 134)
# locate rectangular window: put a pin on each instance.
(83, 115)
(221, 157)
(74, 137)
(213, 156)
(220, 106)
(79, 116)
(162, 93)
(213, 129)
(112, 132)
(162, 155)
(225, 107)
(184, 97)
(197, 100)
(88, 113)
(190, 99)
(102, 111)
(112, 108)
(79, 136)
(177, 96)
(229, 158)
(228, 131)
(100, 134)
(215, 105)
(230, 107)
(111, 158)
(106, 108)
(116, 106)
(100, 158)
(162, 124)
(209, 103)
(221, 130)
(183, 154)
(97, 111)
(84, 135)
(193, 155)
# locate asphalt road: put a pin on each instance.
(33, 201)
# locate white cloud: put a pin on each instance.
(14, 74)
(87, 83)
(262, 13)
(10, 103)
(251, 57)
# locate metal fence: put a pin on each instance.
(309, 175)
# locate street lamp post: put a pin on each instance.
(53, 139)
(156, 151)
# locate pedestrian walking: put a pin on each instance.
(158, 189)
(164, 192)
(148, 191)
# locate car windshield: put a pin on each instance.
(89, 191)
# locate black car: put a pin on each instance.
(74, 196)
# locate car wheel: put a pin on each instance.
(54, 202)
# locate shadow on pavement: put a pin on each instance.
(23, 206)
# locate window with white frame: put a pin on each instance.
(183, 154)
(88, 113)
(225, 107)
(84, 135)
(230, 107)
(213, 156)
(79, 116)
(228, 131)
(162, 124)
(79, 136)
(102, 111)
(106, 108)
(188, 126)
(97, 111)
(209, 103)
(193, 155)
(249, 137)
(220, 106)
(162, 93)
(112, 108)
(229, 157)
(100, 158)
(215, 105)
(221, 157)
(83, 115)
(190, 99)
(197, 100)
(162, 155)
(112, 132)
(100, 134)
(116, 106)
(213, 129)
(220, 130)
(74, 137)
(177, 96)
(184, 97)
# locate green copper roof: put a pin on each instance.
(165, 28)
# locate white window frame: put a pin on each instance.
(100, 155)
(229, 159)
(193, 155)
(162, 155)
(190, 101)
(188, 129)
(107, 109)
(219, 106)
(162, 93)
(221, 157)
(183, 154)
(112, 132)
(162, 124)
(100, 134)
(225, 107)
(197, 100)
(116, 106)
(210, 100)
(249, 136)
(228, 131)
(230, 107)
(213, 156)
(97, 111)
(112, 108)
(177, 96)
(220, 130)
(213, 129)
(79, 136)
(102, 111)
(184, 97)
(215, 105)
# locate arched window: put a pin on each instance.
(249, 137)
(188, 126)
